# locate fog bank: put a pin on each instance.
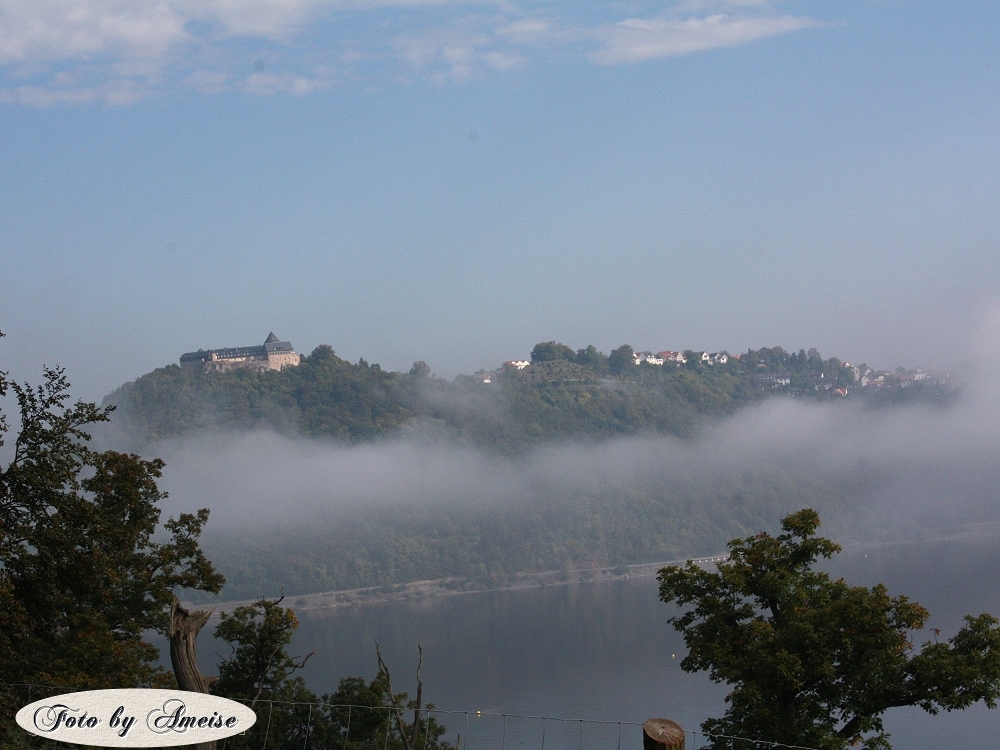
(916, 467)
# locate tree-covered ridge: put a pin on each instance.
(611, 523)
(324, 396)
(564, 393)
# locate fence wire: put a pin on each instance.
(464, 730)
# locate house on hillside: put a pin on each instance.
(820, 382)
(767, 380)
(515, 364)
(875, 379)
(648, 357)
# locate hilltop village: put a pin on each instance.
(555, 393)
(772, 369)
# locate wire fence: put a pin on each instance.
(289, 725)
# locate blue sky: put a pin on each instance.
(456, 181)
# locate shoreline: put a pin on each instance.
(453, 586)
(416, 591)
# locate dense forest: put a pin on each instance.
(563, 394)
(484, 547)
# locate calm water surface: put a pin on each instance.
(603, 650)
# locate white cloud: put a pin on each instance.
(52, 30)
(636, 40)
(36, 96)
(528, 30)
(113, 93)
(58, 30)
(460, 51)
(118, 51)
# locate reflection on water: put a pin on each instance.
(596, 651)
(603, 650)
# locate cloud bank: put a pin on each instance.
(637, 39)
(924, 469)
(120, 51)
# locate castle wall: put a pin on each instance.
(284, 359)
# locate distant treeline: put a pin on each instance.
(487, 545)
(580, 394)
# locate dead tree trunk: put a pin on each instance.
(184, 629)
(662, 734)
(409, 739)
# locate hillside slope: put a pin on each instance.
(588, 398)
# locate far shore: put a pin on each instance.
(422, 590)
(441, 587)
(319, 602)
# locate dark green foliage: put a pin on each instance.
(804, 368)
(593, 360)
(259, 664)
(620, 361)
(550, 351)
(324, 396)
(81, 577)
(609, 524)
(815, 662)
(80, 569)
(358, 716)
(563, 394)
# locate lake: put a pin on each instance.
(591, 650)
(603, 650)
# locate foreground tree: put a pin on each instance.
(813, 661)
(358, 716)
(81, 577)
(258, 635)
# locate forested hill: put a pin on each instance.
(562, 394)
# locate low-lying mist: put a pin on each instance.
(305, 514)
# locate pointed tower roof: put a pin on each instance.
(271, 338)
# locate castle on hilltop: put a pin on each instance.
(271, 355)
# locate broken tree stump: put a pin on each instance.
(662, 734)
(184, 629)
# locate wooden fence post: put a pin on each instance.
(662, 734)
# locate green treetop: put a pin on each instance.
(81, 577)
(813, 661)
